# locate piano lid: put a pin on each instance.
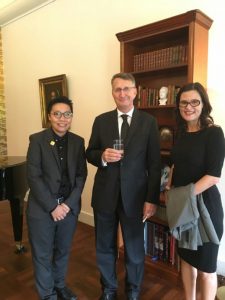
(11, 161)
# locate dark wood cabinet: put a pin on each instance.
(169, 52)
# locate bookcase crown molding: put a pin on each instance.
(165, 25)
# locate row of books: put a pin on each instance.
(160, 244)
(160, 58)
(147, 96)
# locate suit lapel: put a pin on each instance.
(114, 125)
(52, 146)
(133, 125)
(70, 156)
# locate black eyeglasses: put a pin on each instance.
(193, 103)
(59, 114)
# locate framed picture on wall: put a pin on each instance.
(51, 87)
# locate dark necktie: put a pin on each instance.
(124, 127)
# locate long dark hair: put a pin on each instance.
(205, 119)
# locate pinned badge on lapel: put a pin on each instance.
(52, 143)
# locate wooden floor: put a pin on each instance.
(16, 275)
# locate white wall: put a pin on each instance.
(78, 38)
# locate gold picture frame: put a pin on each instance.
(51, 87)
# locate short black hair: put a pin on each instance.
(61, 99)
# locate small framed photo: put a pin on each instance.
(51, 87)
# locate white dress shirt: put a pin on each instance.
(120, 121)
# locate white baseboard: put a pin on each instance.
(86, 218)
(220, 267)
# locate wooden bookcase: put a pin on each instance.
(169, 52)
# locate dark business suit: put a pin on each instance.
(119, 192)
(47, 237)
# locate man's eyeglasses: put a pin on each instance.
(126, 90)
(59, 114)
(193, 103)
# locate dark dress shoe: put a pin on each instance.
(106, 296)
(65, 294)
(53, 296)
(132, 297)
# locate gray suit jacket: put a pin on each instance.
(44, 177)
(137, 176)
(188, 218)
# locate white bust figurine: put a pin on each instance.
(163, 92)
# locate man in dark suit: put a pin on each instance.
(56, 170)
(126, 188)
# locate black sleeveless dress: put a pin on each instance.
(194, 155)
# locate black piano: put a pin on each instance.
(13, 187)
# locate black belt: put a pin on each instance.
(60, 200)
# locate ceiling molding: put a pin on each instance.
(18, 9)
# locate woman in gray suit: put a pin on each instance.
(56, 171)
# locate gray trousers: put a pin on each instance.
(50, 246)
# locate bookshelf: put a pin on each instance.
(169, 52)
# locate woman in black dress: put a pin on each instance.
(198, 156)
